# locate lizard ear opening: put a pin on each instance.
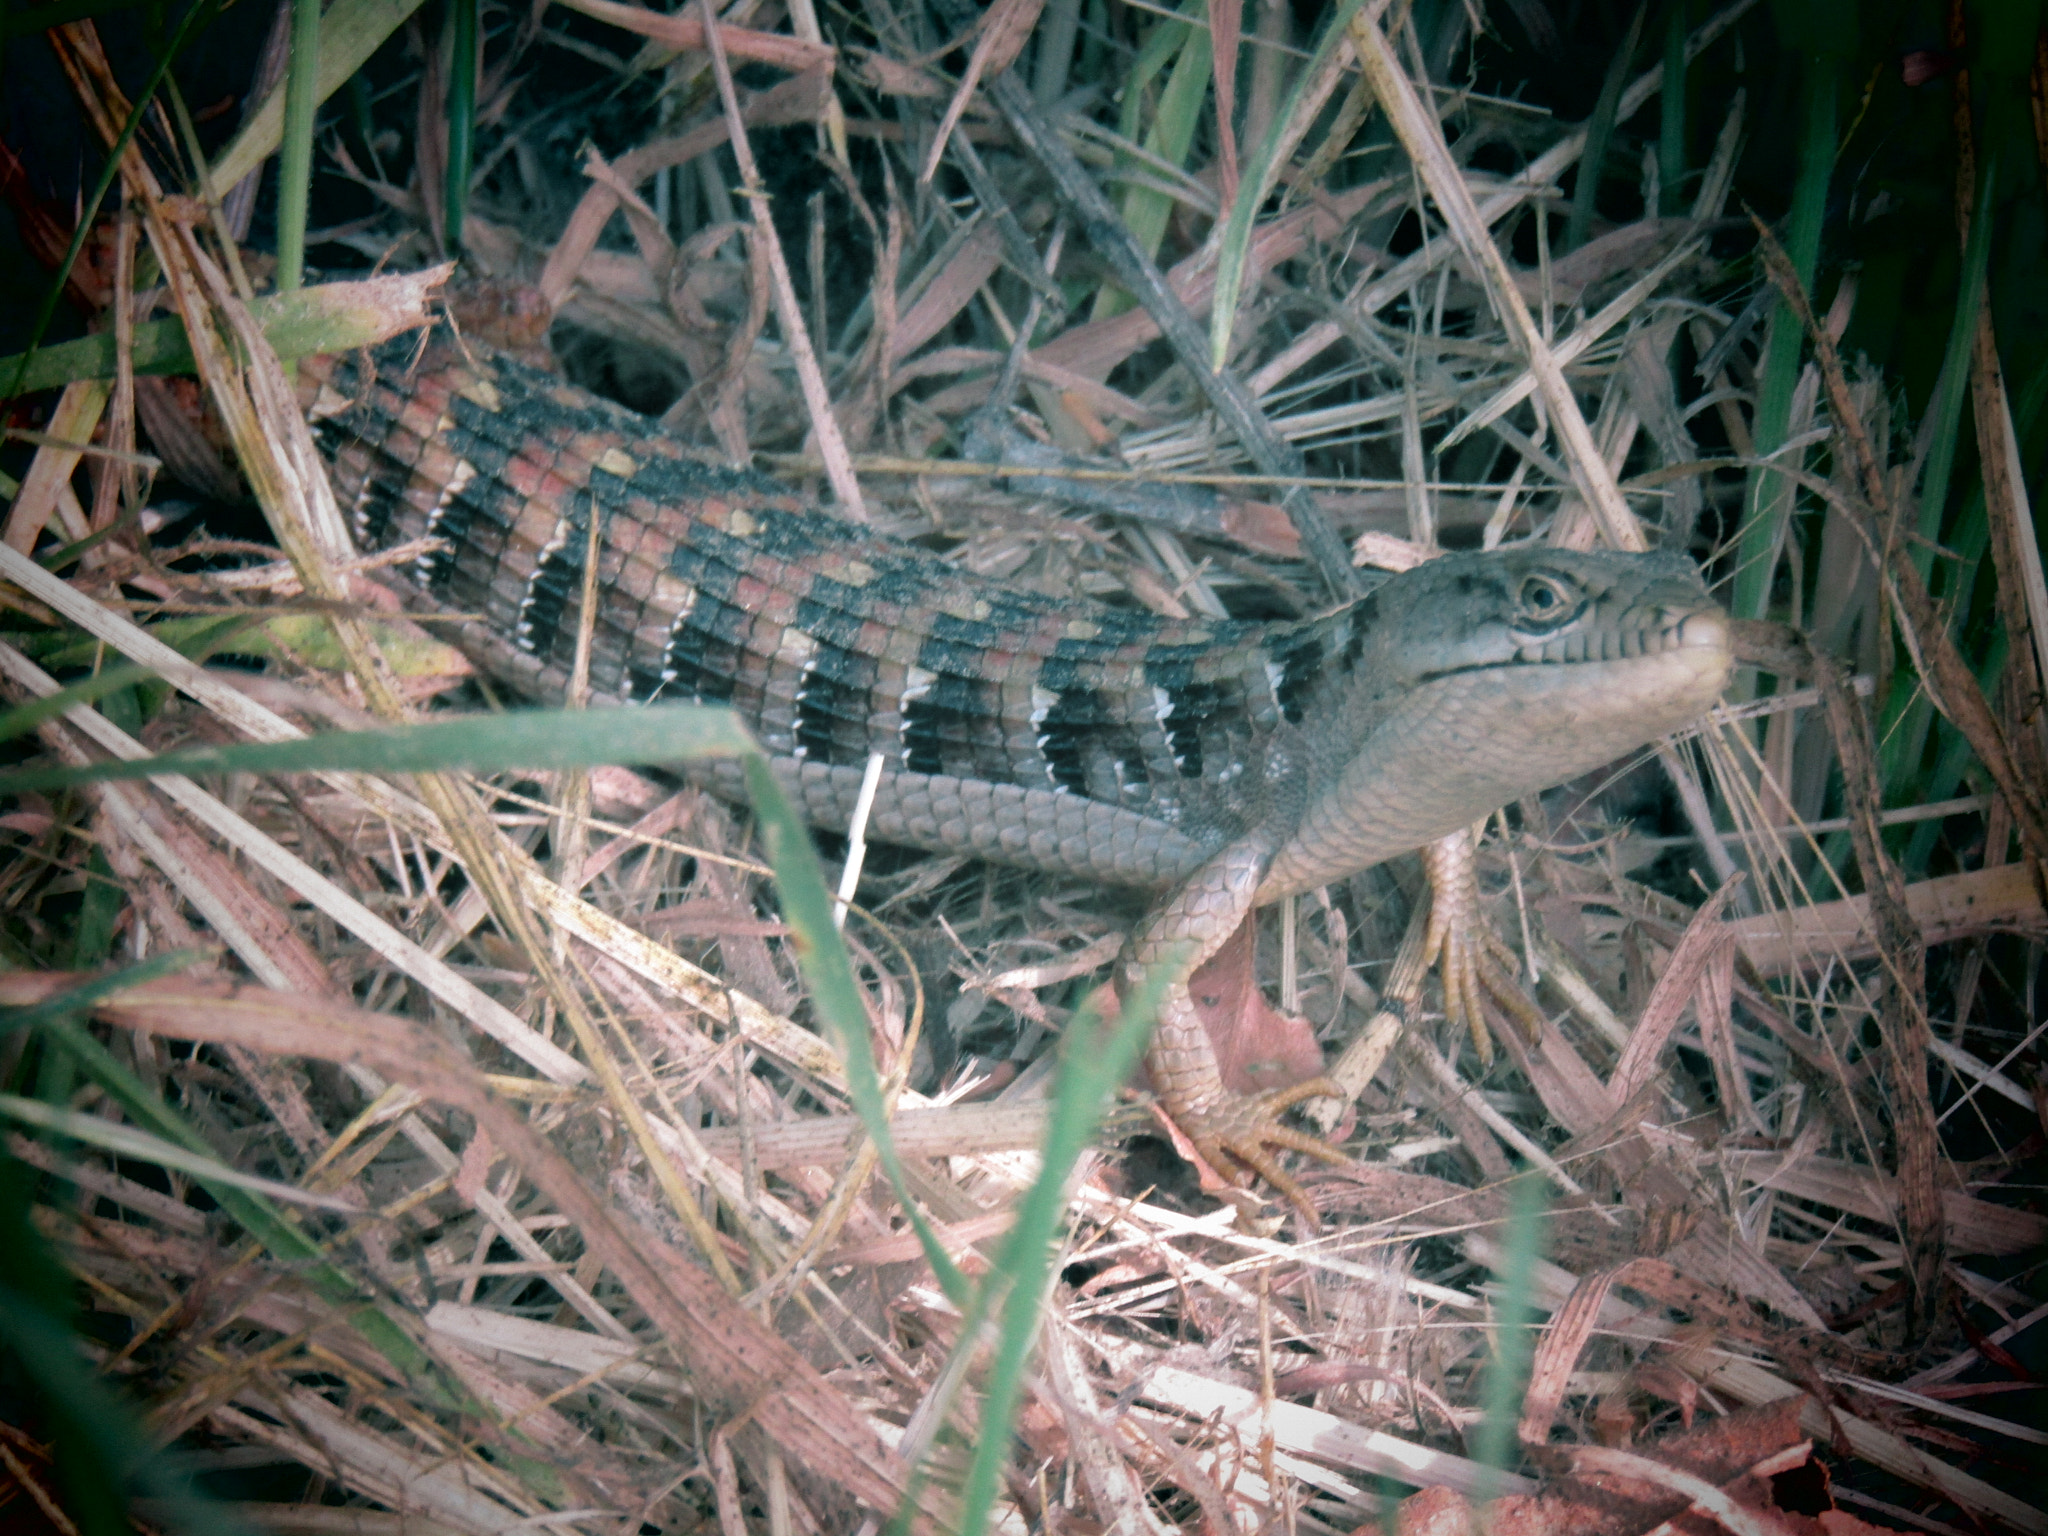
(1544, 604)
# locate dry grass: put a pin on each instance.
(561, 1226)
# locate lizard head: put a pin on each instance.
(1583, 656)
(1546, 607)
(1547, 662)
(1462, 684)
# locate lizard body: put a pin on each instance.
(1225, 763)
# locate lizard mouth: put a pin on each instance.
(1703, 628)
(1697, 633)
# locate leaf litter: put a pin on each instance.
(584, 1240)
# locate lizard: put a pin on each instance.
(1222, 763)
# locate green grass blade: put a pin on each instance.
(99, 915)
(1599, 129)
(60, 1021)
(1671, 116)
(126, 1142)
(1146, 209)
(280, 1236)
(254, 1214)
(195, 20)
(1953, 387)
(461, 118)
(332, 317)
(835, 994)
(1088, 1077)
(198, 643)
(1092, 1067)
(1162, 45)
(25, 717)
(102, 1448)
(295, 152)
(532, 739)
(1261, 174)
(1507, 1374)
(1950, 764)
(1058, 26)
(1769, 497)
(86, 993)
(44, 17)
(92, 1432)
(1902, 757)
(350, 32)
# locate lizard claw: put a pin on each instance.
(1237, 1137)
(1453, 944)
(1472, 959)
(1497, 974)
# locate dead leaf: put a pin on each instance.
(1258, 1047)
(1004, 30)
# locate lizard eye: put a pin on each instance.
(1544, 604)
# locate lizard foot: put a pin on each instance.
(1455, 945)
(1472, 957)
(1238, 1135)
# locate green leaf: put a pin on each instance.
(1671, 116)
(1599, 129)
(1769, 497)
(350, 31)
(196, 19)
(1092, 1067)
(331, 317)
(1261, 175)
(1954, 385)
(533, 739)
(462, 28)
(835, 994)
(128, 1142)
(1514, 1336)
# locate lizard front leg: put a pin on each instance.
(1235, 1133)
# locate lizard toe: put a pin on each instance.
(1238, 1137)
(1281, 1099)
(1497, 968)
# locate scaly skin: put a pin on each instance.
(1453, 939)
(1225, 763)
